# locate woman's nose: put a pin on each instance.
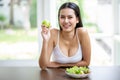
(66, 20)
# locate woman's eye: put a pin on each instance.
(62, 17)
(69, 17)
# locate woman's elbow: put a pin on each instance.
(42, 65)
(87, 63)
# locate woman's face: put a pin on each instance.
(67, 19)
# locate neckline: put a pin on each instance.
(61, 53)
(60, 49)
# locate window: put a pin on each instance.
(18, 30)
(116, 6)
(105, 41)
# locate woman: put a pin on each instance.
(69, 46)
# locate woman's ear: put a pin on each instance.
(77, 20)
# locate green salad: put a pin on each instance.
(77, 70)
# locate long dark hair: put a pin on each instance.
(73, 6)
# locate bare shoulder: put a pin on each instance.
(54, 31)
(54, 35)
(83, 35)
(82, 31)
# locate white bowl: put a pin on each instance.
(77, 75)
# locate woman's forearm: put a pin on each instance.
(43, 60)
(56, 64)
(81, 63)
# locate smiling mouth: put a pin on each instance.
(66, 26)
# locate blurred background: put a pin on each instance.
(20, 27)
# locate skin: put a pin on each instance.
(68, 42)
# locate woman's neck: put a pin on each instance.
(68, 35)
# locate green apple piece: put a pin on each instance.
(78, 70)
(46, 23)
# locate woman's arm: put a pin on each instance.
(47, 48)
(80, 63)
(56, 64)
(85, 45)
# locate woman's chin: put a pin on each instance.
(66, 30)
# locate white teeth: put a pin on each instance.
(66, 25)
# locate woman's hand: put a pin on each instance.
(45, 33)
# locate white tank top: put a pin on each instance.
(59, 57)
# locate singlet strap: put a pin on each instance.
(77, 37)
(58, 38)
